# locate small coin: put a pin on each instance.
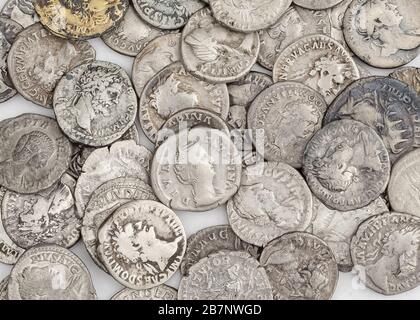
(173, 89)
(37, 60)
(346, 165)
(3, 289)
(300, 266)
(318, 61)
(21, 11)
(161, 292)
(95, 103)
(214, 53)
(408, 75)
(385, 251)
(226, 275)
(317, 4)
(81, 19)
(142, 244)
(50, 272)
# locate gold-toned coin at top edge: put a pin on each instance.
(80, 19)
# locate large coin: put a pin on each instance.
(95, 103)
(214, 53)
(37, 61)
(226, 275)
(386, 251)
(346, 165)
(317, 4)
(21, 11)
(161, 292)
(318, 61)
(300, 266)
(408, 75)
(142, 244)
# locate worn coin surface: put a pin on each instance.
(346, 165)
(142, 244)
(408, 75)
(386, 251)
(336, 17)
(289, 113)
(174, 89)
(37, 60)
(273, 199)
(214, 53)
(317, 4)
(226, 275)
(318, 61)
(95, 103)
(21, 11)
(300, 266)
(161, 292)
(196, 170)
(3, 289)
(80, 19)
(50, 272)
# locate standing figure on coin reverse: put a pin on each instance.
(21, 11)
(408, 75)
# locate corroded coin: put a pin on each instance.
(346, 165)
(408, 75)
(37, 61)
(3, 289)
(317, 4)
(95, 103)
(142, 244)
(300, 266)
(21, 11)
(226, 275)
(80, 19)
(161, 292)
(50, 272)
(214, 53)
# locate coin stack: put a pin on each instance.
(270, 109)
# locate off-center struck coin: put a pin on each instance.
(226, 275)
(289, 113)
(95, 103)
(214, 53)
(37, 61)
(317, 4)
(142, 244)
(161, 292)
(300, 266)
(196, 170)
(318, 61)
(346, 165)
(386, 251)
(21, 11)
(173, 89)
(50, 272)
(408, 75)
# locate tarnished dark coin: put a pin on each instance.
(300, 266)
(408, 75)
(3, 289)
(161, 292)
(21, 11)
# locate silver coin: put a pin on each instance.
(273, 199)
(196, 170)
(346, 165)
(317, 4)
(121, 159)
(336, 17)
(289, 113)
(318, 61)
(237, 119)
(104, 201)
(21, 11)
(142, 244)
(408, 75)
(214, 53)
(248, 15)
(300, 266)
(95, 103)
(3, 289)
(50, 272)
(37, 60)
(383, 33)
(385, 250)
(173, 89)
(34, 153)
(337, 228)
(226, 275)
(161, 292)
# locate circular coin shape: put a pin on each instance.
(161, 292)
(346, 165)
(317, 4)
(385, 250)
(21, 11)
(81, 19)
(214, 53)
(95, 103)
(408, 75)
(50, 272)
(318, 61)
(300, 266)
(142, 244)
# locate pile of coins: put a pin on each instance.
(315, 159)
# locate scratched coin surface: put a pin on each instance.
(273, 199)
(300, 266)
(226, 275)
(386, 251)
(142, 244)
(21, 11)
(37, 60)
(3, 289)
(161, 292)
(346, 165)
(215, 53)
(408, 75)
(317, 4)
